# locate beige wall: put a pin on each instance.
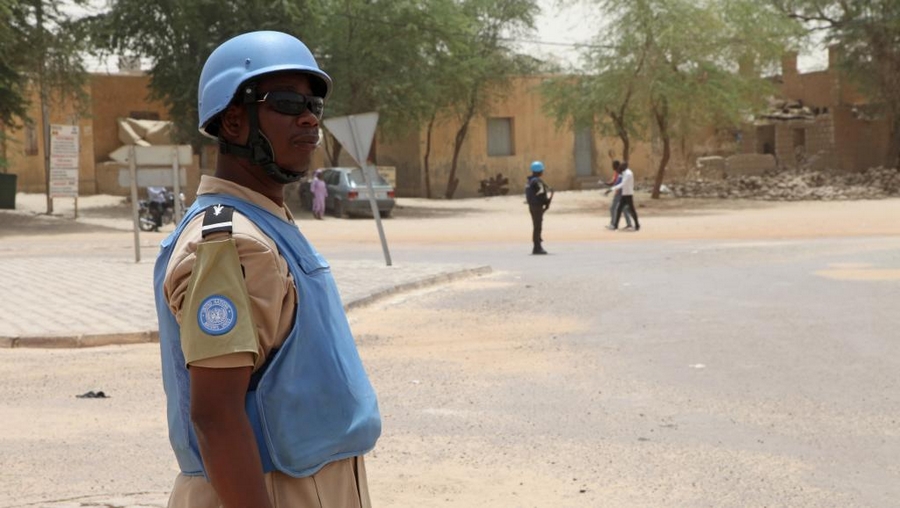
(110, 97)
(30, 168)
(839, 138)
(114, 97)
(535, 137)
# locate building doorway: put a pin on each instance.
(765, 139)
(584, 152)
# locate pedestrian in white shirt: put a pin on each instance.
(616, 198)
(627, 201)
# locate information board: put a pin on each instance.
(64, 147)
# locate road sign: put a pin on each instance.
(64, 149)
(156, 155)
(152, 177)
(355, 133)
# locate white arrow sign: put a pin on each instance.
(158, 155)
(355, 133)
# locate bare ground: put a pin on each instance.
(406, 345)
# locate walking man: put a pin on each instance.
(617, 197)
(627, 201)
(538, 194)
(268, 402)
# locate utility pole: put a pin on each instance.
(42, 85)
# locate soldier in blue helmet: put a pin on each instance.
(538, 195)
(268, 402)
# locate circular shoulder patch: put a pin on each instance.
(217, 315)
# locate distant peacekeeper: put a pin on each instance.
(268, 401)
(539, 195)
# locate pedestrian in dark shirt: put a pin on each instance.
(538, 194)
(617, 197)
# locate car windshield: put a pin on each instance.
(357, 178)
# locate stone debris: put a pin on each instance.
(795, 185)
(780, 109)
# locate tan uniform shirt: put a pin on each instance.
(248, 270)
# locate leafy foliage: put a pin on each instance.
(178, 36)
(675, 65)
(474, 68)
(41, 45)
(12, 79)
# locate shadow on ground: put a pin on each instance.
(666, 206)
(29, 224)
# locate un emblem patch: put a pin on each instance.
(217, 315)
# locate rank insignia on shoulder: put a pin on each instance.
(217, 219)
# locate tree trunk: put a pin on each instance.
(893, 153)
(452, 181)
(45, 106)
(661, 113)
(622, 132)
(427, 156)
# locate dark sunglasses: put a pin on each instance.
(293, 103)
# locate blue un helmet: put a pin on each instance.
(537, 167)
(228, 75)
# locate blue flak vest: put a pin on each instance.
(313, 404)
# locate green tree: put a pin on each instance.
(177, 36)
(376, 53)
(606, 96)
(42, 48)
(480, 70)
(442, 52)
(13, 83)
(675, 65)
(405, 59)
(868, 33)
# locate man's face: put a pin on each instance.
(294, 138)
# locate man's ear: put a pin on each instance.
(233, 126)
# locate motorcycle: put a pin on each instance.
(158, 209)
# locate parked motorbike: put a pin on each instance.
(158, 209)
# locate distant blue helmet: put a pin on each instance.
(247, 56)
(537, 167)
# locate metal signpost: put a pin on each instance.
(154, 156)
(355, 133)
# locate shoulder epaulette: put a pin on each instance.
(217, 219)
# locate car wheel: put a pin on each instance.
(338, 209)
(386, 214)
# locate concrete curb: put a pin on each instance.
(434, 280)
(79, 341)
(148, 336)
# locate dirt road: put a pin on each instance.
(465, 371)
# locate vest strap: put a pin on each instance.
(217, 219)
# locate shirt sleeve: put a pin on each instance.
(215, 314)
(265, 276)
(619, 184)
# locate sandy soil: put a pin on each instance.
(407, 348)
(574, 216)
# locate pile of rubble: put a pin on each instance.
(874, 183)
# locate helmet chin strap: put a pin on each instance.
(258, 148)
